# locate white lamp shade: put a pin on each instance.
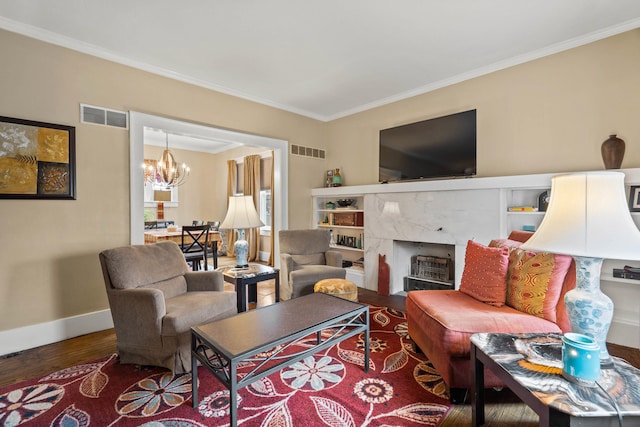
(241, 214)
(588, 216)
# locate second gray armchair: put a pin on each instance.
(306, 258)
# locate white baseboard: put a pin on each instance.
(19, 339)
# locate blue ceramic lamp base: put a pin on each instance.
(241, 247)
(589, 310)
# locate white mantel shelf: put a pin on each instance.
(476, 183)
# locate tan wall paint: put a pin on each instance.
(548, 115)
(49, 266)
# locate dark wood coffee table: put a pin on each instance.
(531, 365)
(267, 336)
(246, 279)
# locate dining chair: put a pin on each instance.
(197, 222)
(195, 244)
(213, 246)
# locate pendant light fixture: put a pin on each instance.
(168, 172)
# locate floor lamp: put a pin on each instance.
(241, 214)
(588, 218)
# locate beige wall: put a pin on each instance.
(545, 116)
(49, 266)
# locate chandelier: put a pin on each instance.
(166, 172)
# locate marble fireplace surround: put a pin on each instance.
(396, 222)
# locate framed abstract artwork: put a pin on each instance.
(37, 160)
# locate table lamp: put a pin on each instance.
(161, 196)
(588, 218)
(240, 215)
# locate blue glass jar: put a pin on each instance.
(580, 359)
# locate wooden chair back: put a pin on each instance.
(194, 244)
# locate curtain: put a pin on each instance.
(273, 214)
(252, 188)
(232, 181)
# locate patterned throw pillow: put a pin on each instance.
(485, 273)
(504, 243)
(535, 280)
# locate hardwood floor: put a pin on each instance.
(503, 407)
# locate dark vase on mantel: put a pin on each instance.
(612, 152)
(384, 275)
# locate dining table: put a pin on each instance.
(154, 236)
(159, 235)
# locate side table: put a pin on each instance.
(245, 280)
(531, 366)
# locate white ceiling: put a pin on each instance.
(322, 59)
(175, 140)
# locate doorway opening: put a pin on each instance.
(139, 121)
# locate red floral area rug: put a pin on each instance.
(329, 388)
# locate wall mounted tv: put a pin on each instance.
(443, 147)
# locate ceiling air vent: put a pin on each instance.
(103, 116)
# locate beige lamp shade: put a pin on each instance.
(588, 216)
(161, 196)
(241, 214)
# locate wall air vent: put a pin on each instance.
(103, 116)
(299, 150)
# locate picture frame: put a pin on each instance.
(37, 160)
(328, 178)
(634, 198)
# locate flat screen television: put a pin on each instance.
(443, 147)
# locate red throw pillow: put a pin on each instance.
(485, 273)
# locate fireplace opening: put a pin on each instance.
(425, 265)
(429, 272)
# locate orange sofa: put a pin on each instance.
(441, 322)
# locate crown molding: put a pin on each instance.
(90, 49)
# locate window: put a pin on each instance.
(154, 193)
(265, 212)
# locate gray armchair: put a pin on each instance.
(155, 300)
(306, 258)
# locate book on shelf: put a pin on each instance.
(627, 273)
(523, 209)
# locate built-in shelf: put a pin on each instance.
(355, 215)
(347, 248)
(353, 227)
(536, 213)
(609, 278)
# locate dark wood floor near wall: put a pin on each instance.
(503, 407)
